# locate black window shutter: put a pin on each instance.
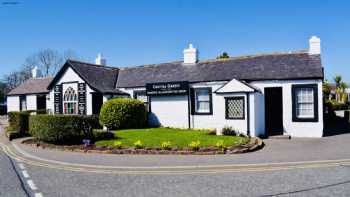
(82, 98)
(58, 99)
(192, 101)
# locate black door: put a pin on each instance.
(41, 102)
(97, 101)
(273, 111)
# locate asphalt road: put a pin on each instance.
(11, 184)
(333, 181)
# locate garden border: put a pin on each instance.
(254, 144)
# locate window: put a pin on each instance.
(305, 103)
(234, 107)
(23, 103)
(202, 101)
(70, 101)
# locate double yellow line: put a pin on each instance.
(210, 169)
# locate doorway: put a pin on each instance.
(97, 101)
(273, 111)
(41, 102)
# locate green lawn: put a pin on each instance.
(153, 137)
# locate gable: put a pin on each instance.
(234, 86)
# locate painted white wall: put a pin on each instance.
(12, 103)
(218, 120)
(71, 78)
(160, 107)
(169, 111)
(31, 102)
(295, 129)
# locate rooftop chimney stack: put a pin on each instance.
(100, 60)
(314, 45)
(36, 72)
(190, 55)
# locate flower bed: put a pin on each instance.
(163, 141)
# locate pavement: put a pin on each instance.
(297, 167)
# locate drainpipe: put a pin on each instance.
(248, 114)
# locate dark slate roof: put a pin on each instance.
(277, 66)
(100, 78)
(32, 86)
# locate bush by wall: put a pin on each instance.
(123, 113)
(18, 121)
(62, 129)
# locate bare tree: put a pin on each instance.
(49, 61)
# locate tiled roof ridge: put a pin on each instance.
(91, 64)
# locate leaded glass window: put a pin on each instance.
(235, 108)
(70, 101)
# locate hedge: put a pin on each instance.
(123, 113)
(62, 129)
(18, 121)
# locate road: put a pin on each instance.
(20, 177)
(325, 181)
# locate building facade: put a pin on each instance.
(267, 94)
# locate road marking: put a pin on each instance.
(38, 195)
(21, 166)
(25, 174)
(32, 185)
(185, 170)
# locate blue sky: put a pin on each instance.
(140, 32)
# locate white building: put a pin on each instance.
(31, 95)
(268, 94)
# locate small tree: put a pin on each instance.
(326, 88)
(224, 55)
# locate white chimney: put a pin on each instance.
(36, 72)
(190, 55)
(314, 45)
(100, 60)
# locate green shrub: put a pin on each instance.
(166, 145)
(62, 129)
(18, 121)
(227, 130)
(138, 144)
(194, 145)
(122, 113)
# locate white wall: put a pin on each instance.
(31, 102)
(172, 111)
(169, 111)
(218, 120)
(71, 79)
(13, 103)
(295, 129)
